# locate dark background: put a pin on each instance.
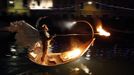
(109, 56)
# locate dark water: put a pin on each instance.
(104, 60)
(99, 65)
(109, 56)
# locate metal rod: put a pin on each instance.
(72, 34)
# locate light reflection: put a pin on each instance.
(87, 58)
(8, 55)
(90, 73)
(69, 25)
(13, 50)
(76, 69)
(90, 2)
(85, 68)
(88, 55)
(14, 57)
(11, 2)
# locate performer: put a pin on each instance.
(46, 39)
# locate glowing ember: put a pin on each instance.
(102, 31)
(73, 54)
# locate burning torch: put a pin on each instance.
(99, 29)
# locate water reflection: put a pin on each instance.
(22, 66)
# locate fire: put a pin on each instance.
(101, 31)
(72, 54)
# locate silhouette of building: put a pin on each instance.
(66, 8)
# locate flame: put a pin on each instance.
(101, 31)
(72, 54)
